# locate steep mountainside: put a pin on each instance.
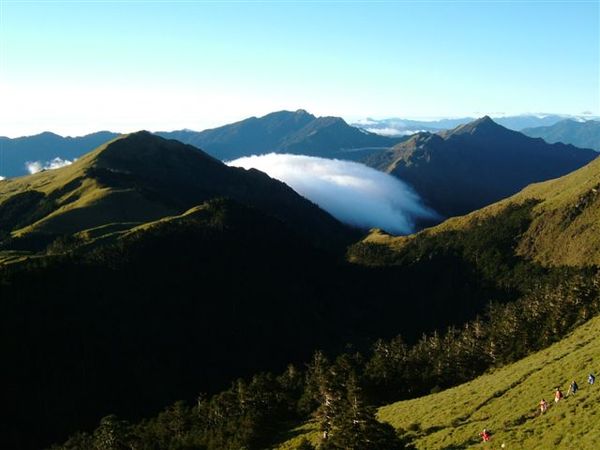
(165, 310)
(44, 147)
(581, 134)
(505, 402)
(285, 132)
(139, 178)
(560, 225)
(148, 271)
(130, 276)
(476, 164)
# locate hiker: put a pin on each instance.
(557, 395)
(591, 378)
(543, 406)
(573, 388)
(485, 435)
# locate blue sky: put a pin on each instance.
(74, 67)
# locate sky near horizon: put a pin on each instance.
(74, 67)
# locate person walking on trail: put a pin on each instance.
(543, 406)
(557, 395)
(573, 388)
(591, 378)
(485, 435)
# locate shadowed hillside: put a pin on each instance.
(476, 164)
(221, 275)
(561, 226)
(148, 271)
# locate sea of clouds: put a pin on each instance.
(392, 132)
(352, 192)
(38, 166)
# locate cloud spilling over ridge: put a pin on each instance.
(353, 193)
(388, 131)
(38, 166)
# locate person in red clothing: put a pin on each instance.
(485, 435)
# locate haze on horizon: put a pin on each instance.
(75, 67)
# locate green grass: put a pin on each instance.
(565, 226)
(292, 439)
(505, 401)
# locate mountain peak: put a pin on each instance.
(294, 115)
(484, 124)
(141, 150)
(484, 119)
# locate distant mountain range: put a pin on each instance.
(476, 164)
(43, 147)
(402, 127)
(455, 171)
(580, 134)
(295, 132)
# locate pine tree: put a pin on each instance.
(111, 434)
(348, 423)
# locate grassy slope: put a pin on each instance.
(565, 227)
(141, 178)
(505, 401)
(80, 202)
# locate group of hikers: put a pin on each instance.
(558, 396)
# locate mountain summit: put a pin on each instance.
(484, 125)
(475, 164)
(295, 132)
(138, 178)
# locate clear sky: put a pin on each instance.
(78, 66)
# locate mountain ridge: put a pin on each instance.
(475, 164)
(584, 134)
(297, 132)
(564, 221)
(141, 177)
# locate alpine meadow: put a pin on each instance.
(296, 225)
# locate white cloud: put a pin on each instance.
(386, 131)
(367, 121)
(38, 166)
(353, 193)
(2, 178)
